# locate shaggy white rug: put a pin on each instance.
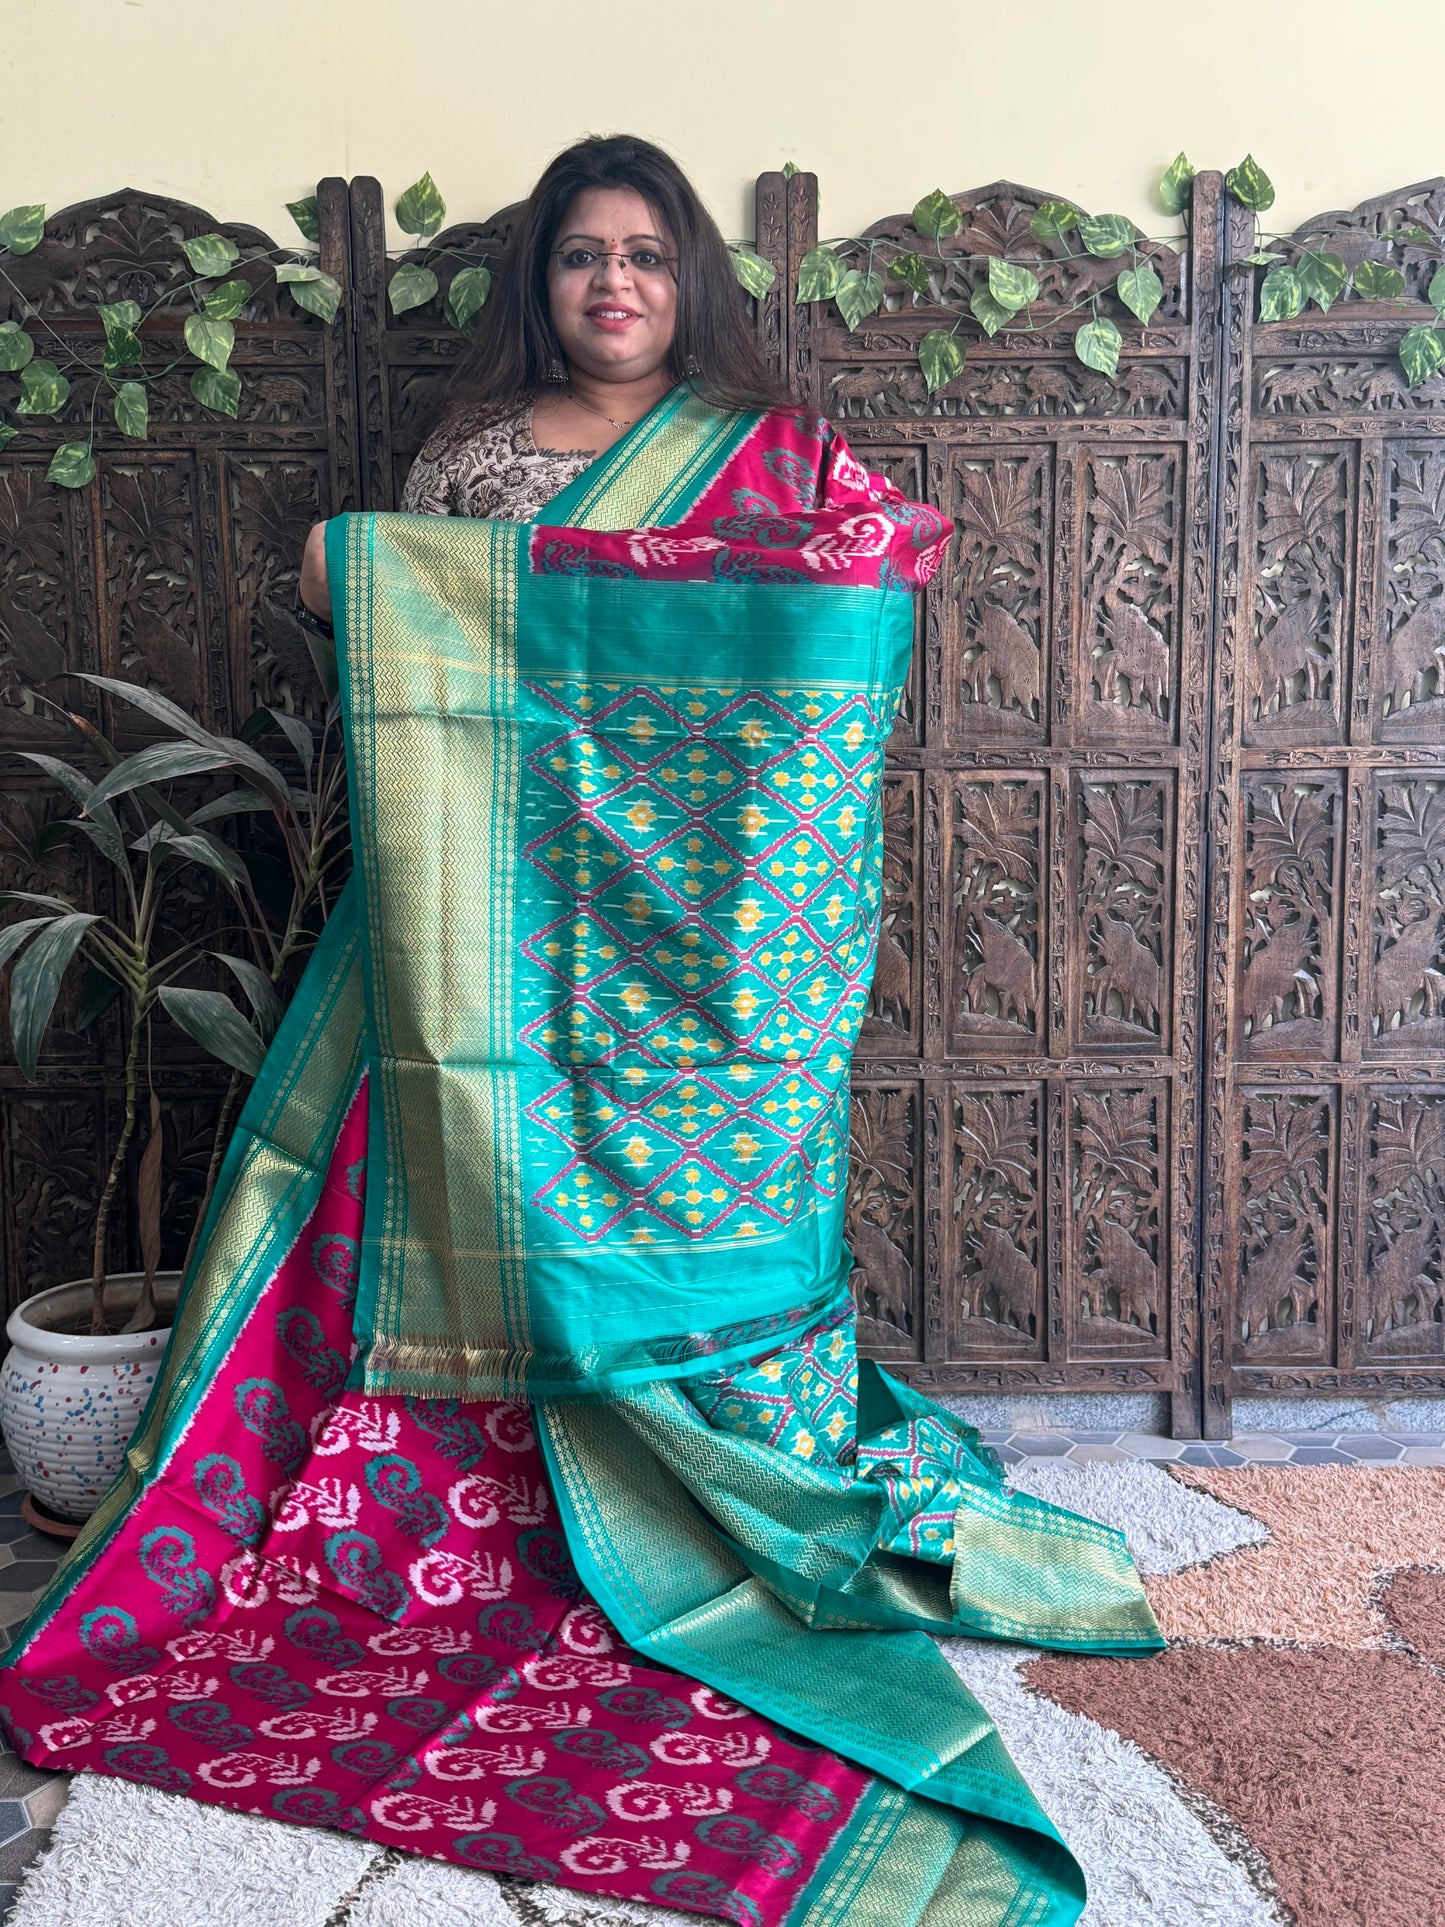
(129, 1853)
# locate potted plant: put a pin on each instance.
(84, 1355)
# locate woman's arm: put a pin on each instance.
(314, 589)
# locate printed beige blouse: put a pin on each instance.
(495, 469)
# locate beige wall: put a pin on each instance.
(241, 104)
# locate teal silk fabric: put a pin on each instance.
(619, 845)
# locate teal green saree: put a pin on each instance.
(527, 1278)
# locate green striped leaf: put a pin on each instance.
(940, 356)
(1097, 345)
(936, 217)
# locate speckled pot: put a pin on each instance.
(69, 1404)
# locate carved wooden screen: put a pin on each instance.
(1025, 1116)
(404, 360)
(176, 567)
(1325, 1174)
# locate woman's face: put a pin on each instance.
(614, 322)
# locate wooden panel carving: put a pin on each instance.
(996, 864)
(1118, 1220)
(1128, 669)
(883, 1220)
(891, 1023)
(1287, 996)
(1408, 668)
(37, 640)
(996, 1193)
(1286, 1210)
(1326, 973)
(1124, 852)
(1403, 1314)
(1407, 942)
(999, 594)
(1060, 749)
(270, 505)
(1303, 582)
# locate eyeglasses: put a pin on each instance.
(644, 261)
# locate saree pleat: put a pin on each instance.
(589, 1002)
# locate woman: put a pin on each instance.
(513, 1492)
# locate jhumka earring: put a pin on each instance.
(556, 372)
(694, 366)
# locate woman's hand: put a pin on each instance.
(315, 589)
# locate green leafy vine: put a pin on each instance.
(215, 294)
(854, 272)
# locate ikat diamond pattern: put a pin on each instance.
(712, 861)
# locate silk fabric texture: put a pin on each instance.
(615, 793)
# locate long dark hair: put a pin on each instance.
(713, 346)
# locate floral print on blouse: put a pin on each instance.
(470, 466)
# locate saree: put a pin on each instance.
(512, 1491)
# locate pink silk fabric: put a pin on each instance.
(792, 504)
(361, 1613)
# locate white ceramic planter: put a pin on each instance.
(68, 1404)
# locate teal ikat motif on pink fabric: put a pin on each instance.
(699, 886)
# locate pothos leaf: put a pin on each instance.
(1280, 296)
(22, 227)
(226, 301)
(210, 341)
(1322, 278)
(1053, 219)
(940, 356)
(858, 296)
(1411, 236)
(913, 270)
(43, 389)
(312, 289)
(1178, 181)
(307, 216)
(987, 312)
(122, 345)
(753, 272)
(819, 273)
(71, 466)
(1435, 294)
(1011, 286)
(1097, 345)
(412, 286)
(1140, 290)
(1106, 235)
(218, 388)
(936, 217)
(7, 434)
(1421, 353)
(469, 289)
(119, 317)
(1376, 282)
(789, 169)
(211, 254)
(421, 209)
(132, 410)
(1250, 185)
(16, 347)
